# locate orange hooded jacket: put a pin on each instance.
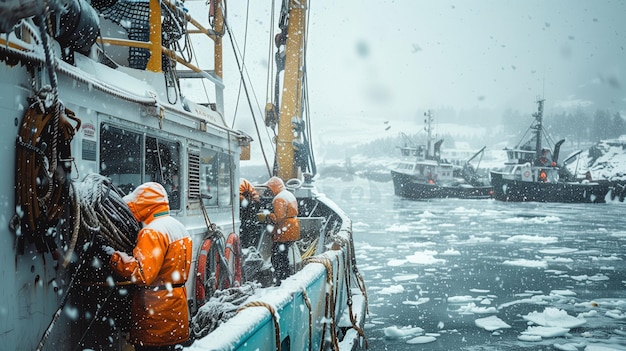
(247, 191)
(159, 267)
(284, 217)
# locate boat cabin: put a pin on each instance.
(410, 151)
(427, 170)
(525, 173)
(519, 156)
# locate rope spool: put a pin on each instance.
(104, 212)
(43, 163)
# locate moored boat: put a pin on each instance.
(94, 95)
(533, 173)
(423, 174)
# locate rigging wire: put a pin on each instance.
(243, 61)
(245, 86)
(305, 94)
(270, 51)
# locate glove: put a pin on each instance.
(260, 217)
(108, 250)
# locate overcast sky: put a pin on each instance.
(373, 61)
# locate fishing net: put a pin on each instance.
(220, 308)
(134, 16)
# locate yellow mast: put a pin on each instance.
(219, 29)
(155, 61)
(291, 101)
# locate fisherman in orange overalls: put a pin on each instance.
(285, 227)
(159, 267)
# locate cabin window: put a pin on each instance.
(122, 155)
(216, 177)
(163, 166)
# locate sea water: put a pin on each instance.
(452, 274)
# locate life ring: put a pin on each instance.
(232, 253)
(208, 276)
(527, 174)
(293, 183)
(204, 255)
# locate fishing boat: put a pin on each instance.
(423, 174)
(533, 173)
(94, 98)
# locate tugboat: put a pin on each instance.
(533, 173)
(423, 174)
(93, 98)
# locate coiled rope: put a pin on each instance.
(104, 212)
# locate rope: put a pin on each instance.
(330, 299)
(37, 207)
(75, 228)
(104, 212)
(272, 313)
(307, 301)
(245, 87)
(223, 305)
(347, 275)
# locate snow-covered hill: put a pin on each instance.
(605, 160)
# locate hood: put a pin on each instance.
(276, 185)
(148, 202)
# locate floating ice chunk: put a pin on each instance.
(427, 214)
(532, 338)
(424, 257)
(616, 314)
(398, 228)
(419, 301)
(526, 263)
(598, 277)
(396, 262)
(405, 277)
(471, 308)
(557, 251)
(422, 340)
(491, 323)
(479, 291)
(546, 332)
(535, 239)
(451, 252)
(570, 346)
(580, 278)
(461, 299)
(559, 259)
(563, 292)
(394, 289)
(554, 317)
(394, 332)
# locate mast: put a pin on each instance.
(539, 126)
(428, 128)
(291, 101)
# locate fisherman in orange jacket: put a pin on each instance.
(285, 226)
(159, 267)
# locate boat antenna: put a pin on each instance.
(539, 126)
